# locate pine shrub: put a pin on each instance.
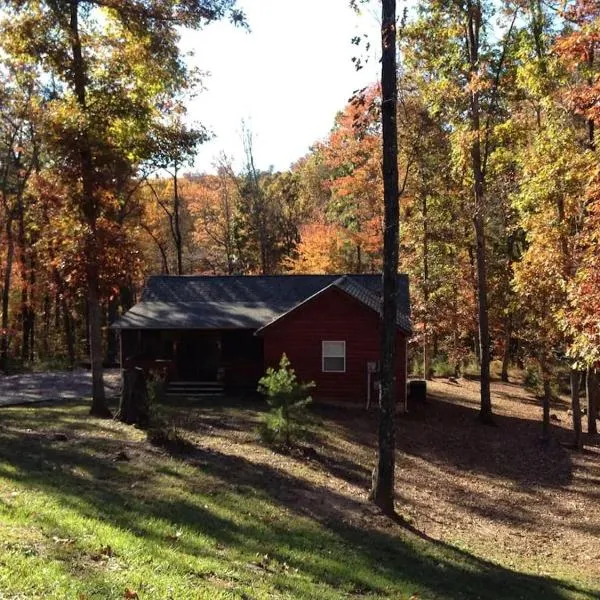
(288, 398)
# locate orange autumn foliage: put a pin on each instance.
(320, 249)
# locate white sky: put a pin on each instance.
(287, 77)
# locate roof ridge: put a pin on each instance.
(247, 276)
(256, 276)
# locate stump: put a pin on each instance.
(134, 408)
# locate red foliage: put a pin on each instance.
(580, 50)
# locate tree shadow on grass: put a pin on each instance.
(342, 467)
(228, 502)
(449, 435)
(556, 403)
(512, 451)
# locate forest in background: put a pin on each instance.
(500, 188)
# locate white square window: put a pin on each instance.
(334, 357)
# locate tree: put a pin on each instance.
(112, 78)
(213, 200)
(266, 215)
(175, 146)
(382, 490)
(320, 250)
(433, 243)
(352, 156)
(549, 204)
(578, 50)
(554, 200)
(19, 155)
(462, 72)
(288, 399)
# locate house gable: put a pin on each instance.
(353, 290)
(332, 316)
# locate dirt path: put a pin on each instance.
(56, 385)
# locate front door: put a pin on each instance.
(198, 356)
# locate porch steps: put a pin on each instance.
(194, 389)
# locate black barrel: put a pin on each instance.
(417, 392)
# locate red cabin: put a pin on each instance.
(219, 333)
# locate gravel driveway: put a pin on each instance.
(56, 385)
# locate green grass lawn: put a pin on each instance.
(77, 522)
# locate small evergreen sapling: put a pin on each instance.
(288, 399)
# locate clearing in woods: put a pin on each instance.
(89, 509)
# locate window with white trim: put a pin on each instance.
(334, 357)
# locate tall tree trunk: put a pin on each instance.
(591, 125)
(68, 328)
(454, 331)
(485, 413)
(473, 41)
(427, 372)
(63, 305)
(57, 309)
(45, 344)
(89, 208)
(177, 223)
(593, 399)
(506, 353)
(426, 350)
(25, 289)
(99, 407)
(258, 206)
(546, 398)
(30, 310)
(382, 492)
(161, 249)
(4, 324)
(86, 327)
(112, 342)
(359, 262)
(25, 337)
(576, 408)
(473, 271)
(265, 267)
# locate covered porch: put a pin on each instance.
(233, 358)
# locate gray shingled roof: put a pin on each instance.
(349, 285)
(244, 301)
(373, 299)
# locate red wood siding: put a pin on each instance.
(333, 315)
